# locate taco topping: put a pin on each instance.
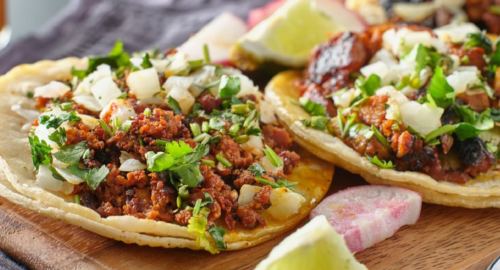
(156, 136)
(409, 98)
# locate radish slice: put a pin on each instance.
(219, 35)
(366, 215)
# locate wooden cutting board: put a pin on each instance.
(443, 238)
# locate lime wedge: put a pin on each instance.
(289, 34)
(314, 246)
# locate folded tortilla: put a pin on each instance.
(313, 174)
(482, 192)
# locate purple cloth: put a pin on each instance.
(91, 27)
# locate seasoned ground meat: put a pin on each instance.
(233, 152)
(209, 102)
(277, 138)
(373, 110)
(290, 161)
(262, 199)
(250, 219)
(183, 216)
(244, 178)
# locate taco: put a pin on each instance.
(402, 105)
(154, 149)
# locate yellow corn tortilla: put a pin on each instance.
(482, 192)
(314, 175)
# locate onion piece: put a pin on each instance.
(456, 32)
(423, 118)
(89, 102)
(68, 176)
(144, 83)
(105, 90)
(118, 108)
(183, 97)
(131, 165)
(84, 87)
(460, 80)
(268, 166)
(178, 81)
(45, 180)
(254, 145)
(51, 90)
(284, 202)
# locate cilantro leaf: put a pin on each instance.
(381, 163)
(94, 177)
(146, 63)
(52, 121)
(380, 137)
(178, 149)
(419, 54)
(189, 174)
(116, 58)
(313, 108)
(440, 131)
(495, 114)
(479, 40)
(58, 136)
(370, 85)
(229, 86)
(160, 161)
(439, 90)
(217, 233)
(174, 105)
(71, 153)
(316, 122)
(474, 123)
(77, 171)
(40, 151)
(197, 225)
(257, 169)
(273, 158)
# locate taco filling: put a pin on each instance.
(409, 98)
(159, 137)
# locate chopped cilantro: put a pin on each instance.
(71, 154)
(380, 137)
(229, 86)
(116, 58)
(370, 85)
(206, 53)
(58, 136)
(106, 128)
(40, 151)
(174, 105)
(381, 163)
(95, 176)
(217, 233)
(314, 109)
(197, 225)
(278, 184)
(52, 121)
(273, 158)
(257, 169)
(439, 90)
(479, 40)
(440, 131)
(30, 94)
(77, 171)
(208, 85)
(316, 122)
(146, 63)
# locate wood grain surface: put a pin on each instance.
(443, 238)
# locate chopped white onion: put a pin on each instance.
(45, 180)
(102, 71)
(460, 80)
(131, 165)
(144, 83)
(118, 108)
(88, 120)
(414, 12)
(247, 86)
(268, 166)
(70, 177)
(172, 65)
(343, 98)
(267, 112)
(423, 118)
(105, 90)
(51, 90)
(203, 76)
(378, 68)
(246, 194)
(183, 97)
(254, 145)
(399, 42)
(89, 102)
(178, 81)
(384, 56)
(456, 32)
(284, 202)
